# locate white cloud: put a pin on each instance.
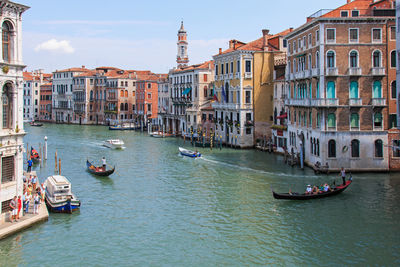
(62, 46)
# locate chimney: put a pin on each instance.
(83, 66)
(231, 44)
(265, 38)
(348, 1)
(220, 51)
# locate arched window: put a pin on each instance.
(91, 95)
(126, 106)
(318, 147)
(378, 148)
(332, 149)
(226, 92)
(353, 59)
(294, 65)
(330, 90)
(378, 120)
(309, 62)
(393, 89)
(377, 89)
(355, 148)
(122, 93)
(354, 121)
(353, 89)
(330, 59)
(376, 59)
(331, 121)
(6, 40)
(121, 107)
(126, 93)
(317, 60)
(7, 102)
(393, 59)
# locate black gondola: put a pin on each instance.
(36, 124)
(98, 170)
(296, 196)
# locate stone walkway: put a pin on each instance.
(26, 221)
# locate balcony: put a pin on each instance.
(378, 102)
(378, 71)
(331, 72)
(297, 102)
(325, 102)
(299, 75)
(248, 75)
(355, 102)
(237, 75)
(291, 76)
(226, 76)
(315, 72)
(307, 74)
(230, 75)
(355, 71)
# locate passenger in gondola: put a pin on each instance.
(308, 190)
(315, 190)
(326, 188)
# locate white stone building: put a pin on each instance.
(11, 80)
(32, 82)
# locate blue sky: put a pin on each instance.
(142, 34)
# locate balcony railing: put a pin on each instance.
(354, 71)
(237, 75)
(248, 75)
(378, 71)
(331, 72)
(378, 102)
(297, 102)
(307, 73)
(325, 102)
(299, 75)
(355, 102)
(230, 75)
(315, 72)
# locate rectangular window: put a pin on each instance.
(317, 36)
(284, 43)
(353, 35)
(392, 121)
(294, 46)
(205, 77)
(232, 67)
(396, 148)
(376, 35)
(5, 206)
(149, 86)
(305, 41)
(248, 97)
(344, 13)
(216, 69)
(7, 169)
(310, 40)
(355, 13)
(248, 66)
(330, 35)
(393, 33)
(227, 68)
(148, 107)
(222, 68)
(238, 66)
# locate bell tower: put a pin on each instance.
(182, 58)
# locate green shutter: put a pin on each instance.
(377, 92)
(317, 89)
(331, 120)
(354, 120)
(354, 90)
(330, 89)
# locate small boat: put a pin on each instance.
(189, 153)
(157, 134)
(302, 196)
(36, 124)
(59, 197)
(35, 156)
(123, 127)
(100, 171)
(114, 144)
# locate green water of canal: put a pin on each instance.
(160, 208)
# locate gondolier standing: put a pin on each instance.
(343, 174)
(104, 163)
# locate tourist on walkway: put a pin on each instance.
(343, 174)
(13, 207)
(19, 206)
(36, 203)
(104, 163)
(34, 182)
(30, 162)
(26, 199)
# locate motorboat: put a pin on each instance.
(114, 144)
(59, 197)
(124, 127)
(189, 153)
(35, 124)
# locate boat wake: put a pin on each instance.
(250, 169)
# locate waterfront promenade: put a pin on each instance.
(160, 208)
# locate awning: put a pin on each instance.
(283, 116)
(301, 55)
(187, 90)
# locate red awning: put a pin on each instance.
(283, 116)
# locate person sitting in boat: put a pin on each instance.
(326, 188)
(315, 190)
(308, 190)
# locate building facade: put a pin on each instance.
(339, 70)
(147, 99)
(45, 107)
(11, 80)
(32, 83)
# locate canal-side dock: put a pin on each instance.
(8, 228)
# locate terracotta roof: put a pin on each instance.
(72, 69)
(363, 6)
(204, 65)
(47, 84)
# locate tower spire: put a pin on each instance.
(182, 58)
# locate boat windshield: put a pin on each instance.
(61, 191)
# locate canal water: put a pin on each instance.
(160, 208)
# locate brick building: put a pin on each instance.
(339, 78)
(45, 107)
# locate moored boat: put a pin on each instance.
(124, 127)
(303, 196)
(36, 124)
(100, 171)
(59, 197)
(114, 144)
(35, 157)
(189, 153)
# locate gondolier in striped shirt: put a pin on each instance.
(104, 163)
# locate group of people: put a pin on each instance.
(33, 192)
(325, 187)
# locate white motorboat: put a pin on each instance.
(59, 197)
(189, 153)
(114, 144)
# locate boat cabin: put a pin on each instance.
(58, 186)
